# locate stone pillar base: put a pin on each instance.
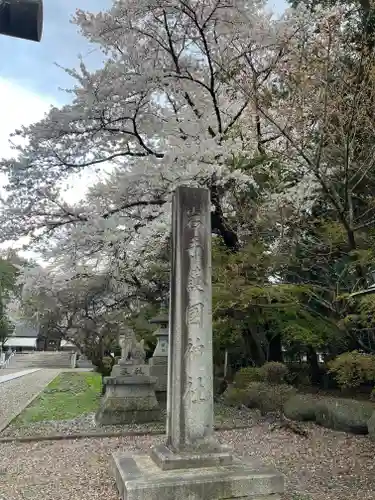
(128, 399)
(138, 477)
(159, 369)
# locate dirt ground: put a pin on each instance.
(327, 465)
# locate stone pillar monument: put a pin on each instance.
(192, 465)
(159, 362)
(190, 377)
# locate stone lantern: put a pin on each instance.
(158, 363)
(161, 334)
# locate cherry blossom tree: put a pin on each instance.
(322, 107)
(162, 111)
(197, 92)
(82, 309)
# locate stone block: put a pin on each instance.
(139, 478)
(123, 369)
(160, 372)
(128, 400)
(166, 459)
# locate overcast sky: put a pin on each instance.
(29, 77)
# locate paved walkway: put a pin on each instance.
(17, 374)
(17, 393)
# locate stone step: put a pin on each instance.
(40, 360)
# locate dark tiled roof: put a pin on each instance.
(23, 329)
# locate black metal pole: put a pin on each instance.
(22, 19)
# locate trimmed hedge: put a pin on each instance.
(269, 398)
(371, 427)
(236, 397)
(344, 415)
(300, 407)
(298, 374)
(273, 372)
(245, 376)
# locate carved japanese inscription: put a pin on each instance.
(195, 314)
(195, 346)
(195, 383)
(189, 407)
(195, 389)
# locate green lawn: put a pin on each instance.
(67, 396)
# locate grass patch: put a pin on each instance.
(67, 396)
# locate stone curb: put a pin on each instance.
(18, 374)
(6, 423)
(97, 435)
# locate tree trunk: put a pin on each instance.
(360, 272)
(254, 348)
(314, 366)
(275, 351)
(218, 222)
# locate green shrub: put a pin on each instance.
(107, 366)
(352, 369)
(246, 375)
(268, 398)
(344, 415)
(273, 372)
(371, 426)
(298, 374)
(339, 414)
(219, 386)
(301, 407)
(236, 397)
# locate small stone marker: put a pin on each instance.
(191, 465)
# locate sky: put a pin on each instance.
(30, 80)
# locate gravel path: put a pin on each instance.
(224, 416)
(15, 394)
(325, 466)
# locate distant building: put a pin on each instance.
(26, 337)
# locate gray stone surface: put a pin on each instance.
(131, 350)
(160, 373)
(139, 478)
(190, 377)
(158, 363)
(165, 459)
(128, 368)
(128, 399)
(83, 362)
